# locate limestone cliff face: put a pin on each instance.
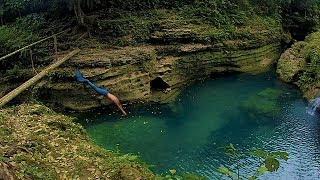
(300, 65)
(291, 62)
(150, 72)
(161, 53)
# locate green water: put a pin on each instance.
(188, 135)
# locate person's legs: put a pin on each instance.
(97, 89)
(81, 79)
(101, 91)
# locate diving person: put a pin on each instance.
(101, 91)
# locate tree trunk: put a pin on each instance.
(19, 13)
(1, 20)
(81, 17)
(79, 13)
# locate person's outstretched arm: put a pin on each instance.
(116, 101)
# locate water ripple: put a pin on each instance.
(189, 135)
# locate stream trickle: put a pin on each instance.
(313, 106)
(249, 111)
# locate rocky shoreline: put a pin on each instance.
(300, 65)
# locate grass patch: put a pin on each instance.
(37, 143)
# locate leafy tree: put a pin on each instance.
(267, 161)
(15, 5)
(300, 17)
(1, 11)
(77, 7)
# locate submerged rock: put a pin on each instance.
(262, 106)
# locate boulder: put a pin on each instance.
(291, 62)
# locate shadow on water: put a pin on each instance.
(188, 134)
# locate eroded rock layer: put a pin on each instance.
(300, 65)
(148, 73)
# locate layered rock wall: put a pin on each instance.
(128, 72)
(300, 65)
(158, 58)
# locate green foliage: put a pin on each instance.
(311, 72)
(129, 30)
(172, 175)
(22, 32)
(18, 8)
(61, 74)
(218, 13)
(13, 38)
(266, 7)
(266, 161)
(300, 17)
(32, 23)
(1, 9)
(41, 144)
(15, 4)
(133, 22)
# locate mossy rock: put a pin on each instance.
(300, 65)
(291, 62)
(270, 93)
(37, 143)
(262, 106)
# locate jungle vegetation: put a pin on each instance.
(113, 23)
(25, 21)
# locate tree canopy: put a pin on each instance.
(10, 9)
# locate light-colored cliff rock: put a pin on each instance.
(148, 73)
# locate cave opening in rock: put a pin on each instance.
(158, 84)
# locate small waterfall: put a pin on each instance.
(313, 105)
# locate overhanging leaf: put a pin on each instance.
(168, 176)
(281, 155)
(271, 164)
(225, 171)
(262, 170)
(172, 171)
(259, 153)
(178, 177)
(229, 149)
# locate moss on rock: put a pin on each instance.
(291, 62)
(301, 65)
(262, 106)
(37, 143)
(163, 43)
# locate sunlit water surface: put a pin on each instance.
(188, 135)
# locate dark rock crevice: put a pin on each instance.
(158, 84)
